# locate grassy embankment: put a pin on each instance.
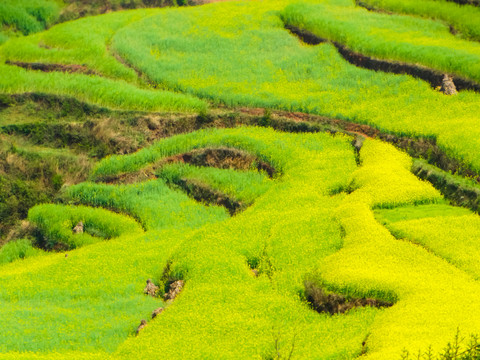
(394, 37)
(48, 142)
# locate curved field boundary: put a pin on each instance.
(432, 76)
(223, 158)
(219, 157)
(419, 147)
(466, 2)
(413, 40)
(84, 41)
(205, 194)
(117, 94)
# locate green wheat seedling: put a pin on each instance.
(463, 19)
(401, 38)
(458, 349)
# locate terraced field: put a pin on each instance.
(239, 180)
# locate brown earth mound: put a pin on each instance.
(140, 327)
(157, 312)
(151, 289)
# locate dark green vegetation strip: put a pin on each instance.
(460, 191)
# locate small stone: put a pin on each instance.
(78, 229)
(157, 312)
(175, 289)
(143, 323)
(358, 142)
(448, 87)
(151, 289)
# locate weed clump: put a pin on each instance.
(332, 303)
(458, 349)
(19, 249)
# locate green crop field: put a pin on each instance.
(248, 179)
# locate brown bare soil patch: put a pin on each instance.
(157, 312)
(335, 303)
(140, 327)
(71, 68)
(151, 289)
(224, 158)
